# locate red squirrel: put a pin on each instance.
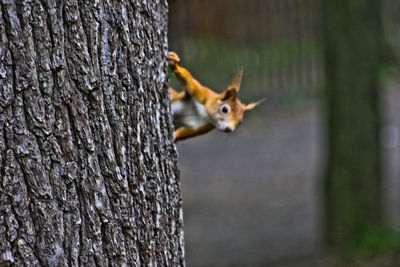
(198, 109)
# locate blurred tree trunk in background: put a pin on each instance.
(87, 162)
(353, 53)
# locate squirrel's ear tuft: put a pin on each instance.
(230, 93)
(237, 80)
(252, 105)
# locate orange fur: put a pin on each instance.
(198, 109)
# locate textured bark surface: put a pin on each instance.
(88, 166)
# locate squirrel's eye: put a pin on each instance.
(224, 109)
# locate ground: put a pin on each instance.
(252, 198)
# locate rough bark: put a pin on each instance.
(87, 160)
(353, 54)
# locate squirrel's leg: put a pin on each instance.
(184, 133)
(194, 88)
(176, 96)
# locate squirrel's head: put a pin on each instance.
(228, 111)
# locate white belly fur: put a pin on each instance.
(189, 113)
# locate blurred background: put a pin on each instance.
(257, 197)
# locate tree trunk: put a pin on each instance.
(353, 49)
(87, 160)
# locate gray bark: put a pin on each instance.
(87, 160)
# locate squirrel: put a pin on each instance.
(198, 109)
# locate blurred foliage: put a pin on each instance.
(374, 242)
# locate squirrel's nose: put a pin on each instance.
(228, 130)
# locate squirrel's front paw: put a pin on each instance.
(173, 58)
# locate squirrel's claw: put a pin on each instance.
(173, 58)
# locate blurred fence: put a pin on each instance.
(276, 41)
